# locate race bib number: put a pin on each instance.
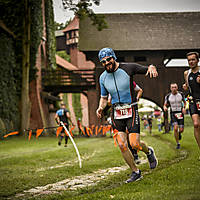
(198, 105)
(123, 112)
(179, 115)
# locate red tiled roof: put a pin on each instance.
(73, 25)
(65, 64)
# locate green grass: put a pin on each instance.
(26, 164)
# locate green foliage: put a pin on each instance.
(76, 103)
(63, 55)
(65, 100)
(59, 26)
(12, 16)
(10, 64)
(82, 9)
(8, 88)
(50, 28)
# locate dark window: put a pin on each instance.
(140, 59)
(120, 59)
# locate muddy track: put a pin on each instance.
(92, 179)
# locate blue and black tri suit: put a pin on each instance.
(119, 85)
(62, 114)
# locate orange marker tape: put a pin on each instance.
(13, 133)
(38, 132)
(59, 129)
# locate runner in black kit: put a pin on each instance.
(192, 82)
(176, 101)
(117, 80)
(63, 115)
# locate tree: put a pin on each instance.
(63, 55)
(83, 9)
(25, 101)
(61, 26)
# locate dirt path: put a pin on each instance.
(75, 182)
(68, 163)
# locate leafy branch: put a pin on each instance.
(83, 9)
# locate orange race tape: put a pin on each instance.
(29, 134)
(59, 129)
(100, 129)
(96, 130)
(13, 133)
(89, 131)
(73, 127)
(82, 130)
(39, 132)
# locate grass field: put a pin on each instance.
(27, 164)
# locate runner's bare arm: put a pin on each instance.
(165, 107)
(185, 85)
(139, 94)
(102, 104)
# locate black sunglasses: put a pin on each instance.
(106, 60)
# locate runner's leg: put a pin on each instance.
(139, 145)
(126, 153)
(176, 135)
(196, 122)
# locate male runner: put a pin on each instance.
(176, 101)
(192, 82)
(117, 80)
(137, 95)
(63, 115)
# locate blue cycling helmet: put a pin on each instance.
(106, 52)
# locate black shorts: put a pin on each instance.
(131, 124)
(176, 120)
(193, 108)
(67, 126)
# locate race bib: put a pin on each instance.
(122, 111)
(179, 115)
(198, 105)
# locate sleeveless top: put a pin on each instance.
(194, 87)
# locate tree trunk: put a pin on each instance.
(25, 102)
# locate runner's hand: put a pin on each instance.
(198, 79)
(183, 111)
(185, 87)
(165, 108)
(152, 71)
(99, 112)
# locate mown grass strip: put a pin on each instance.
(177, 176)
